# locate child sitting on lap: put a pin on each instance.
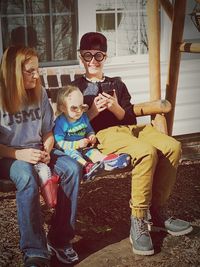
(75, 136)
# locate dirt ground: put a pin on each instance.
(103, 223)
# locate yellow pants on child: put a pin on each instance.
(155, 157)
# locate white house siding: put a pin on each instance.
(187, 111)
(187, 114)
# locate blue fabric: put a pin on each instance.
(72, 131)
(32, 235)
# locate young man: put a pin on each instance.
(155, 156)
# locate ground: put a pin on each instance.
(103, 223)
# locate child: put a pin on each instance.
(75, 136)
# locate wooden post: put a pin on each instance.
(160, 124)
(168, 7)
(175, 56)
(153, 22)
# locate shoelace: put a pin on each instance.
(171, 219)
(141, 227)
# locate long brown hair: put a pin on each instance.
(12, 92)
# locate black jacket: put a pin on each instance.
(106, 118)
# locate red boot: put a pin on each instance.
(49, 191)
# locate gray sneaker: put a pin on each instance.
(173, 226)
(140, 237)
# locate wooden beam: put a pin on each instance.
(175, 56)
(152, 108)
(168, 7)
(160, 123)
(190, 47)
(153, 22)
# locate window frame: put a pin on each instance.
(24, 16)
(87, 22)
(86, 12)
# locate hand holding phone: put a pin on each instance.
(108, 88)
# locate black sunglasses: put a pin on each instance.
(88, 56)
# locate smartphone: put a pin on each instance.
(107, 87)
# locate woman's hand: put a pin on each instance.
(32, 155)
(46, 157)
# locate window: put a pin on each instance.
(49, 26)
(54, 28)
(124, 24)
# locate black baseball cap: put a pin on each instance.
(93, 41)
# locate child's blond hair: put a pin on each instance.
(62, 94)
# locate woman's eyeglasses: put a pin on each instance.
(87, 56)
(31, 72)
(82, 108)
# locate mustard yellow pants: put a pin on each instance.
(155, 157)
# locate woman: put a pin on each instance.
(26, 122)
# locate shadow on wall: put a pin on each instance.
(24, 36)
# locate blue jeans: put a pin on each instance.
(32, 235)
